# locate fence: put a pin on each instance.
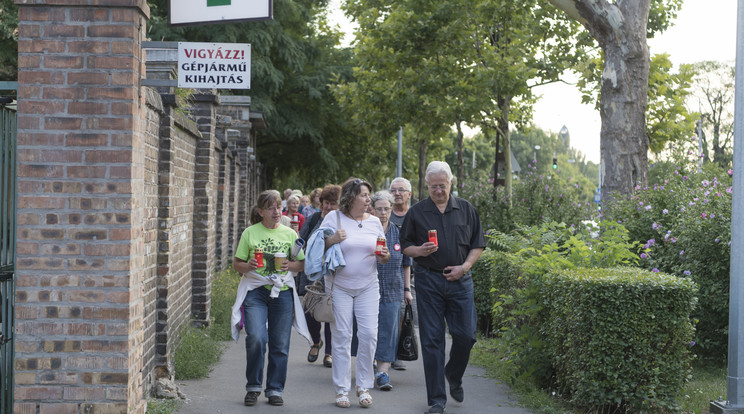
(7, 248)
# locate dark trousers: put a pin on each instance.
(440, 301)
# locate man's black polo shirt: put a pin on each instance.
(458, 232)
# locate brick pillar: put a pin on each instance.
(79, 267)
(205, 206)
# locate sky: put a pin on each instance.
(703, 30)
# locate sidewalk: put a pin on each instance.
(309, 389)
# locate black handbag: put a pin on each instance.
(408, 342)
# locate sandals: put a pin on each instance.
(342, 401)
(328, 361)
(365, 400)
(314, 357)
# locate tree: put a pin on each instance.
(295, 58)
(8, 40)
(621, 29)
(714, 97)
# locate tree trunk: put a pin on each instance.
(460, 165)
(620, 29)
(423, 143)
(503, 131)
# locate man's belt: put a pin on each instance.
(430, 269)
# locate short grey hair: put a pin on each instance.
(406, 183)
(293, 196)
(382, 195)
(438, 167)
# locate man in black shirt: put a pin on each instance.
(444, 286)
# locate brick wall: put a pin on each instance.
(81, 262)
(120, 200)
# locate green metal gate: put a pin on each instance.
(8, 199)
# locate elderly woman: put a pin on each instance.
(395, 285)
(315, 203)
(266, 302)
(355, 288)
(329, 202)
(293, 205)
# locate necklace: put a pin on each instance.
(358, 221)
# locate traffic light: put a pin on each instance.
(555, 163)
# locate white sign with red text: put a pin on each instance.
(214, 65)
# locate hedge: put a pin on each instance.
(620, 336)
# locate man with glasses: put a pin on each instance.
(444, 286)
(400, 188)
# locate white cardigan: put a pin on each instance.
(253, 280)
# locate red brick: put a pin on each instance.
(104, 281)
(62, 123)
(89, 46)
(125, 48)
(31, 170)
(40, 264)
(61, 187)
(112, 31)
(59, 281)
(116, 124)
(41, 107)
(41, 46)
(63, 62)
(84, 394)
(88, 203)
(28, 122)
(88, 78)
(105, 346)
(61, 156)
(89, 15)
(109, 157)
(53, 31)
(124, 78)
(85, 329)
(86, 172)
(88, 108)
(41, 77)
(118, 297)
(85, 362)
(24, 408)
(27, 219)
(30, 92)
(60, 249)
(85, 265)
(62, 346)
(120, 108)
(120, 93)
(86, 139)
(88, 234)
(117, 171)
(38, 393)
(41, 202)
(64, 93)
(44, 14)
(58, 408)
(26, 312)
(28, 30)
(28, 62)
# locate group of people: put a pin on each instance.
(368, 291)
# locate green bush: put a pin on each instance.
(492, 273)
(224, 288)
(536, 198)
(619, 337)
(683, 224)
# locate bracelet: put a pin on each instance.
(405, 289)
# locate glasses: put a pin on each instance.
(382, 209)
(440, 187)
(398, 191)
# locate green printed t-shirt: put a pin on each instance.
(280, 239)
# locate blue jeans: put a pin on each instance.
(438, 301)
(259, 309)
(387, 332)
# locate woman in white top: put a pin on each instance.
(356, 291)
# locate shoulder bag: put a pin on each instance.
(317, 302)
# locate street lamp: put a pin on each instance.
(565, 136)
(534, 154)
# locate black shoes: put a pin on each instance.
(436, 408)
(315, 347)
(456, 391)
(276, 400)
(251, 397)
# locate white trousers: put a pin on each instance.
(364, 304)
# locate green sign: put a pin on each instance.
(211, 3)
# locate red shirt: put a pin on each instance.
(301, 217)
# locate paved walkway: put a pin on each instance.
(309, 389)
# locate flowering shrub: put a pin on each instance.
(683, 220)
(536, 198)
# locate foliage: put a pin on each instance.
(683, 221)
(163, 406)
(196, 353)
(667, 118)
(8, 40)
(619, 337)
(531, 253)
(201, 348)
(714, 89)
(536, 198)
(295, 59)
(224, 286)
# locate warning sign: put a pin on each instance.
(214, 65)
